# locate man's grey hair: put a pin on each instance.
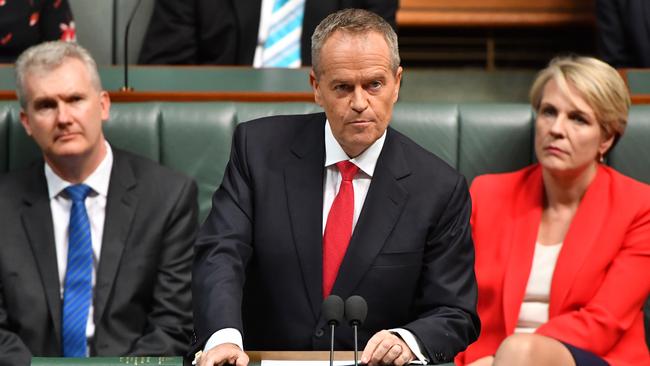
(353, 21)
(46, 57)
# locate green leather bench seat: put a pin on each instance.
(194, 138)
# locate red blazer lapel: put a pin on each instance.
(527, 212)
(581, 238)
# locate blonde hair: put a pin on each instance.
(599, 84)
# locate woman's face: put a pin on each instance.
(568, 137)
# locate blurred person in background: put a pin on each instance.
(24, 23)
(261, 33)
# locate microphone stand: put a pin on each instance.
(356, 345)
(126, 86)
(332, 325)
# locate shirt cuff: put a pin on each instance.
(225, 335)
(413, 344)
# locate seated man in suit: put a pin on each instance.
(96, 245)
(337, 203)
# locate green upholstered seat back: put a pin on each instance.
(194, 138)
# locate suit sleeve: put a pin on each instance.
(617, 302)
(191, 32)
(12, 349)
(170, 317)
(448, 321)
(223, 249)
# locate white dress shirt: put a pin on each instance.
(366, 161)
(61, 205)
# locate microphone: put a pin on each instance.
(333, 314)
(126, 86)
(356, 310)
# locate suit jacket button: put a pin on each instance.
(319, 333)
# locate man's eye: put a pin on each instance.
(375, 85)
(44, 105)
(342, 87)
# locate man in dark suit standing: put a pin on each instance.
(337, 203)
(96, 244)
(228, 32)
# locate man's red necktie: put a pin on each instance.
(338, 228)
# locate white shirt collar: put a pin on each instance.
(97, 180)
(366, 161)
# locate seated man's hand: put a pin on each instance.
(224, 354)
(386, 348)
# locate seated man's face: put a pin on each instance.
(356, 88)
(64, 111)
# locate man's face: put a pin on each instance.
(64, 112)
(356, 88)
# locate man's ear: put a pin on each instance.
(315, 86)
(398, 83)
(24, 120)
(105, 105)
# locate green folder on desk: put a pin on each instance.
(107, 361)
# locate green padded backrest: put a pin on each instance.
(196, 141)
(135, 127)
(250, 111)
(631, 156)
(433, 126)
(495, 138)
(22, 150)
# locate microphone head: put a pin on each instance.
(356, 310)
(333, 310)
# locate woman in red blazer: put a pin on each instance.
(563, 246)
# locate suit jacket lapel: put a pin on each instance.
(37, 222)
(580, 239)
(385, 201)
(304, 190)
(120, 208)
(527, 213)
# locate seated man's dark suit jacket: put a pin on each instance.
(225, 32)
(258, 258)
(142, 298)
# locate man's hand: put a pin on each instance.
(224, 354)
(386, 348)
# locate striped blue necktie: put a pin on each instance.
(77, 292)
(282, 46)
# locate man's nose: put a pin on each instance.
(63, 113)
(359, 100)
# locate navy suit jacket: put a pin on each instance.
(258, 258)
(142, 293)
(224, 32)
